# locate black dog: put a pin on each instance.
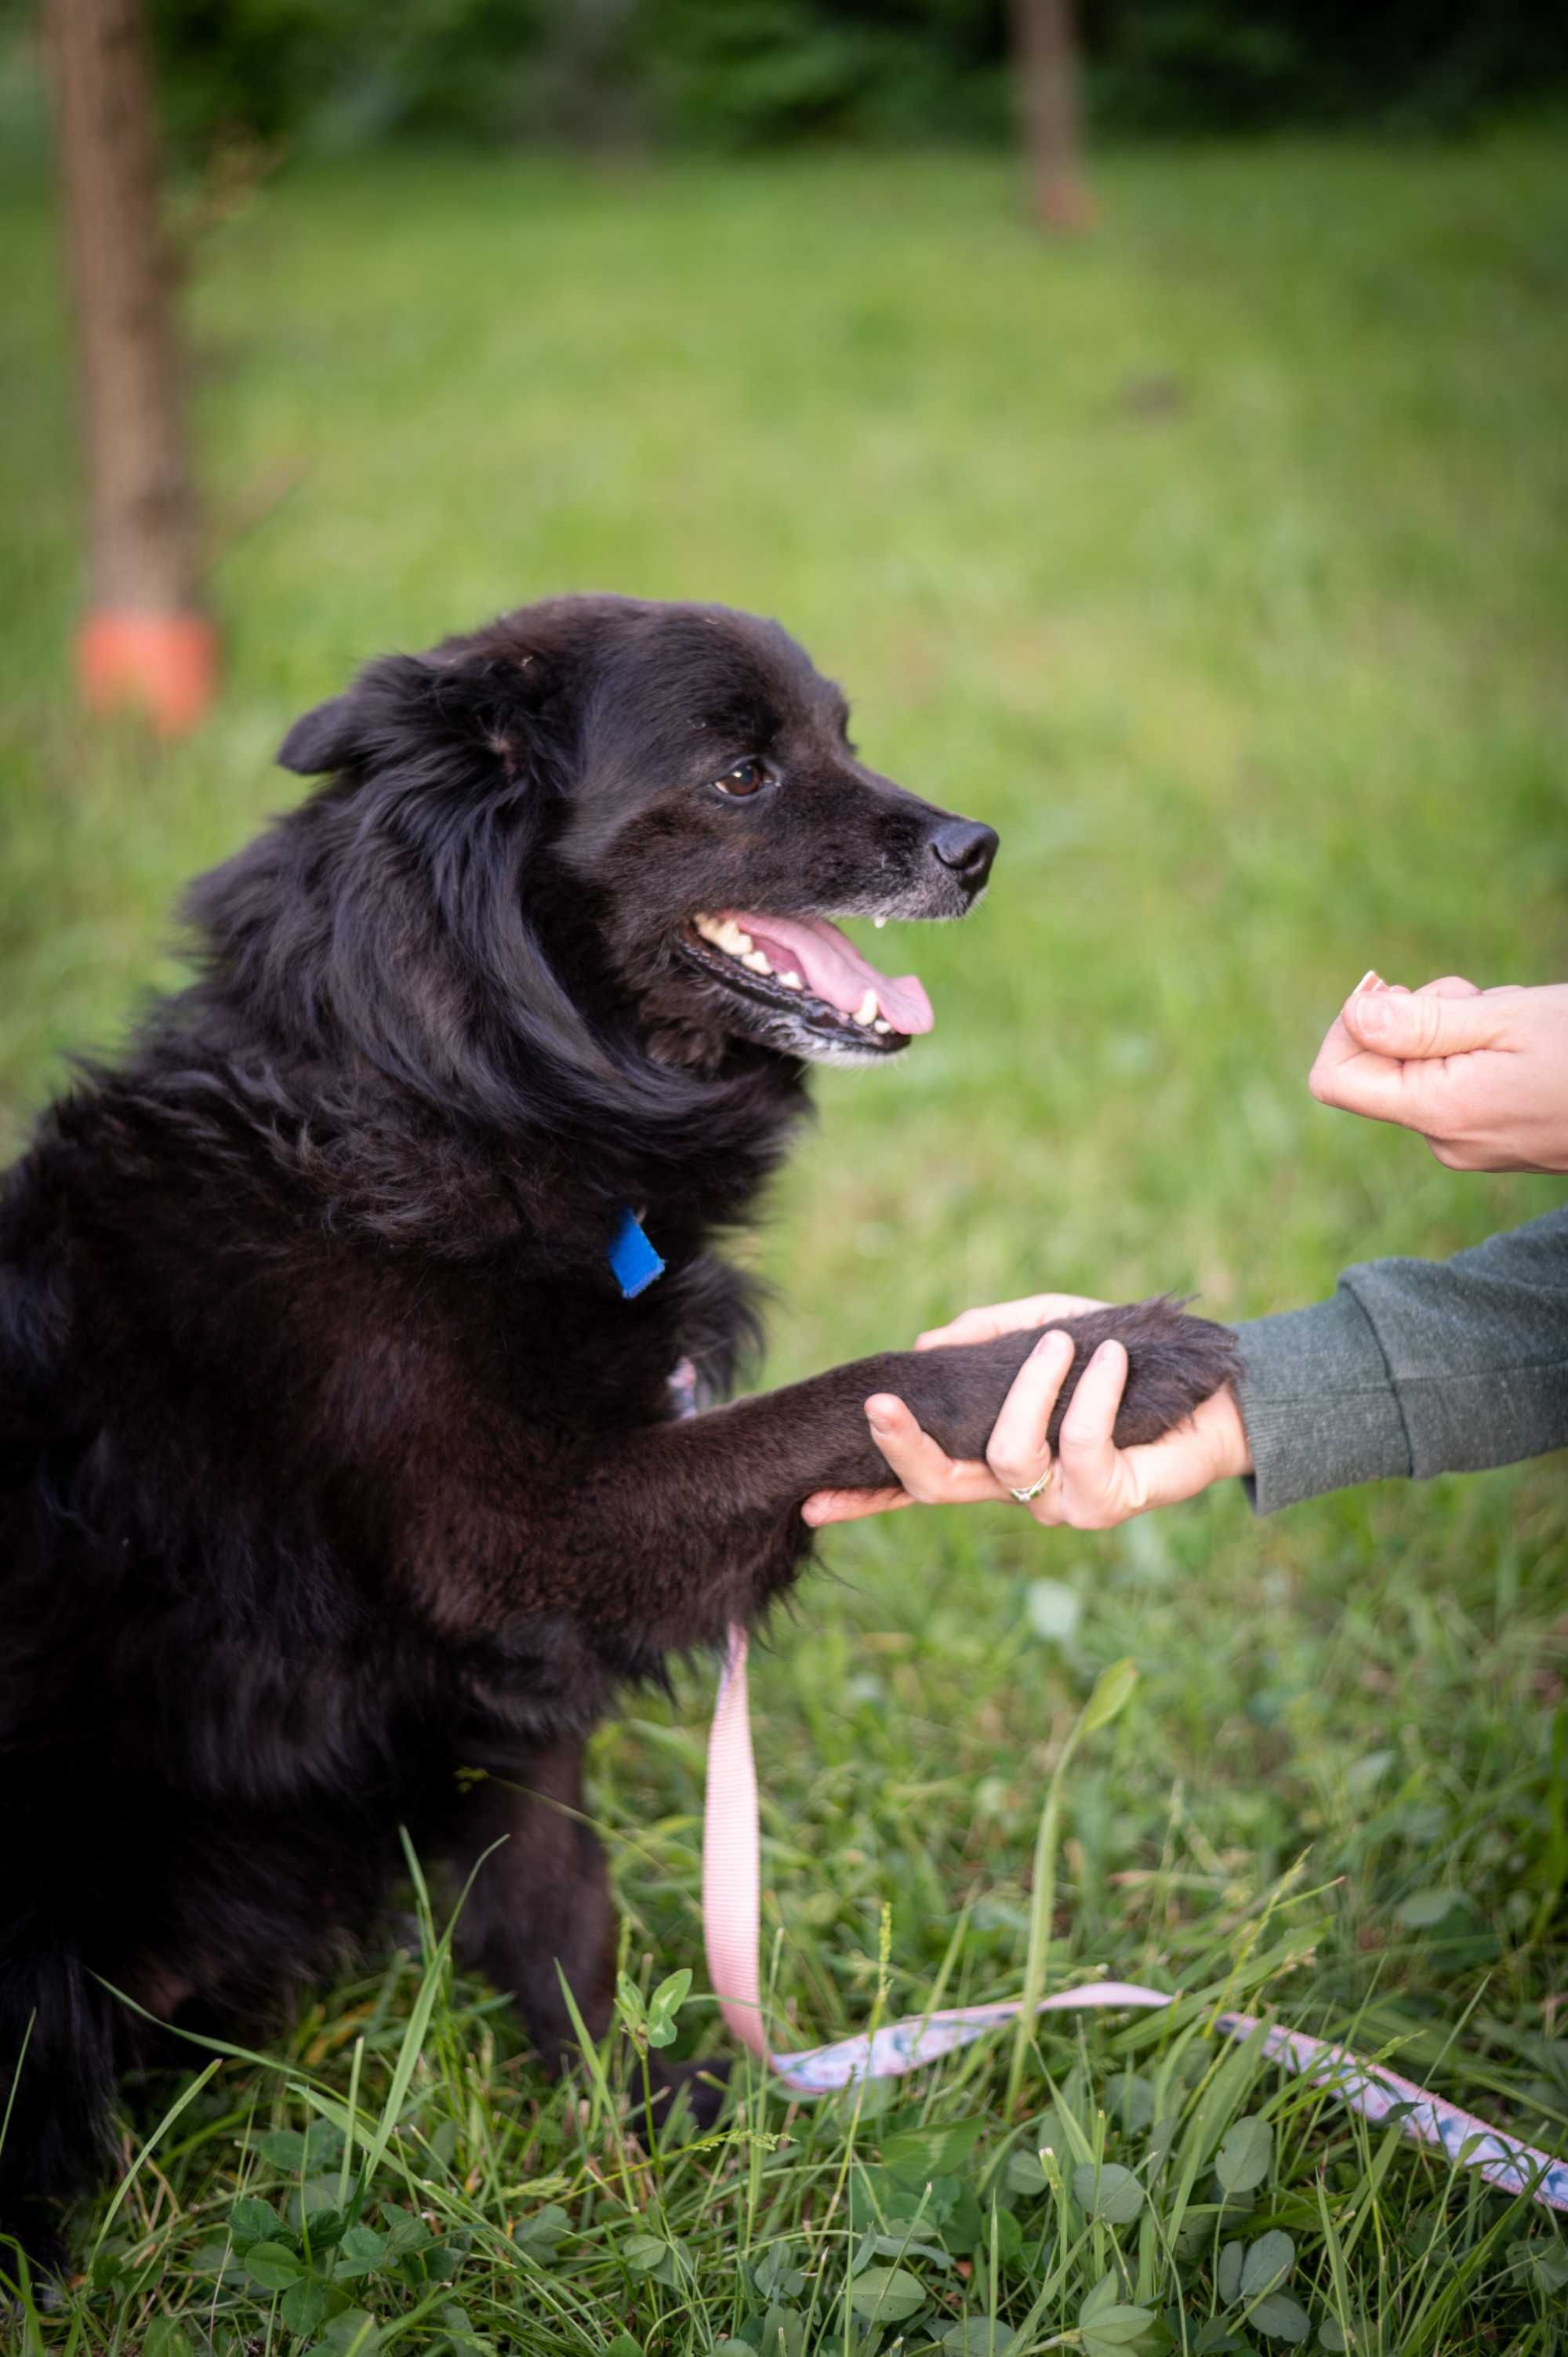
(333, 1455)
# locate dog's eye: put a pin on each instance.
(743, 779)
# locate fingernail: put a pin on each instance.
(1374, 1014)
(1370, 980)
(1054, 1345)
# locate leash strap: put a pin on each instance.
(731, 1892)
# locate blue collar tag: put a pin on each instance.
(633, 1262)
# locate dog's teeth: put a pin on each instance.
(880, 1026)
(791, 981)
(757, 962)
(879, 922)
(724, 934)
(866, 1011)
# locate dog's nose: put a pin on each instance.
(968, 849)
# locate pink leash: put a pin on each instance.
(731, 1892)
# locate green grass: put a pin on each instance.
(1219, 561)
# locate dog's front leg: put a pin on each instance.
(542, 1897)
(540, 1908)
(675, 1530)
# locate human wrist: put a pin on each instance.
(1233, 1450)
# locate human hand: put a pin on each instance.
(1090, 1483)
(1481, 1074)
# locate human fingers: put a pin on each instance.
(1092, 1482)
(923, 1466)
(893, 1429)
(1375, 1086)
(1446, 1018)
(1339, 1045)
(1211, 1445)
(850, 1505)
(1018, 1452)
(983, 1325)
(1098, 1485)
(1344, 1046)
(1353, 1077)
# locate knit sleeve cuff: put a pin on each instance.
(1318, 1404)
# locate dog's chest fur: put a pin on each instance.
(266, 1384)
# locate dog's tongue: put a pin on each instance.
(831, 965)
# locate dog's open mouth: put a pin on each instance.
(805, 966)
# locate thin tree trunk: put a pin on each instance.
(142, 637)
(1046, 61)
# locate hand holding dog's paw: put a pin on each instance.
(1099, 1427)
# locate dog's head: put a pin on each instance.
(638, 821)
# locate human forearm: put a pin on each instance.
(1413, 1368)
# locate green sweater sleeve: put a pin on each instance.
(1413, 1368)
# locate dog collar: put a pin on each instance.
(633, 1262)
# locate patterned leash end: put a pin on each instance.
(731, 1894)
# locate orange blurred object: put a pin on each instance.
(145, 641)
(164, 665)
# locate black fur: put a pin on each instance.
(331, 1458)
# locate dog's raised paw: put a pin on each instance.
(1174, 1363)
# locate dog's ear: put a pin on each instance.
(494, 714)
(327, 738)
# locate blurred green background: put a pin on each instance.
(1219, 558)
(728, 73)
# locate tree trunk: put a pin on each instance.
(1046, 62)
(143, 639)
